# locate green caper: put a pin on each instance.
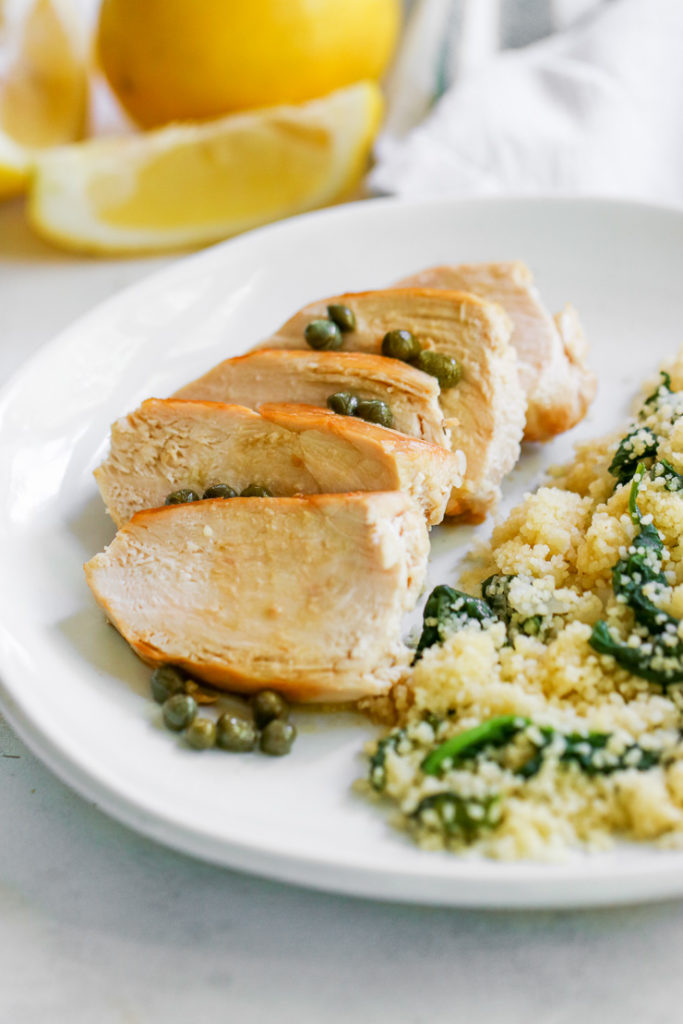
(201, 733)
(256, 491)
(401, 345)
(236, 733)
(447, 370)
(220, 491)
(268, 705)
(178, 711)
(277, 738)
(165, 682)
(343, 402)
(181, 497)
(343, 317)
(323, 334)
(375, 411)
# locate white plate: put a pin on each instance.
(79, 697)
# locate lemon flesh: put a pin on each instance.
(170, 60)
(192, 184)
(15, 167)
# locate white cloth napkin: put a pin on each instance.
(596, 109)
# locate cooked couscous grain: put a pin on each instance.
(547, 714)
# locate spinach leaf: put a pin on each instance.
(496, 591)
(455, 815)
(495, 732)
(640, 443)
(662, 389)
(655, 650)
(447, 611)
(377, 773)
(587, 750)
(590, 753)
(673, 481)
(641, 565)
(655, 660)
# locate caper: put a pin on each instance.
(165, 682)
(342, 316)
(256, 491)
(201, 733)
(277, 738)
(220, 491)
(447, 370)
(375, 411)
(178, 711)
(401, 345)
(268, 705)
(343, 402)
(323, 334)
(182, 496)
(235, 733)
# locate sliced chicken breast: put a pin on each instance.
(551, 352)
(171, 444)
(309, 378)
(485, 411)
(304, 594)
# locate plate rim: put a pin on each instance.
(186, 258)
(560, 885)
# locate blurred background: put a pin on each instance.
(130, 128)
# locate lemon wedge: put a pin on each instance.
(15, 166)
(43, 83)
(191, 184)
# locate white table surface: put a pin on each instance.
(100, 926)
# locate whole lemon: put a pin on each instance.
(169, 60)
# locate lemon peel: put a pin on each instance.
(170, 60)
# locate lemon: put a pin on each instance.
(192, 184)
(172, 60)
(43, 84)
(15, 166)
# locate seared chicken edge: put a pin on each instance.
(552, 352)
(168, 444)
(303, 594)
(485, 411)
(309, 378)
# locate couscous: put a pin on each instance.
(544, 708)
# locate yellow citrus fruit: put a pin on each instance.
(15, 168)
(43, 84)
(170, 60)
(192, 184)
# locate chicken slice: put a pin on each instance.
(169, 444)
(551, 353)
(484, 412)
(310, 378)
(305, 594)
